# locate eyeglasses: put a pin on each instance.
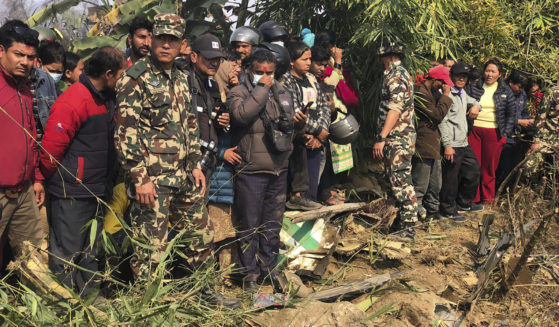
(24, 31)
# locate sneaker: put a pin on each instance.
(220, 300)
(474, 207)
(302, 203)
(456, 217)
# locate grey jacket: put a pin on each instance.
(245, 102)
(44, 93)
(454, 127)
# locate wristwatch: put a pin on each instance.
(380, 138)
(337, 66)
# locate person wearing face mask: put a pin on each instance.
(492, 125)
(73, 68)
(43, 79)
(432, 101)
(274, 33)
(304, 165)
(261, 180)
(78, 136)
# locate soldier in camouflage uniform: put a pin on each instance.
(157, 139)
(396, 135)
(546, 141)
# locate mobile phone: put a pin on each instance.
(307, 107)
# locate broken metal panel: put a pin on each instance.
(308, 243)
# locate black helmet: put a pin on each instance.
(391, 46)
(281, 54)
(344, 131)
(246, 34)
(273, 30)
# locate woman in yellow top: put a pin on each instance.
(492, 125)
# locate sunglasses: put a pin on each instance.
(24, 31)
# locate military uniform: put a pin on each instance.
(547, 135)
(157, 139)
(397, 95)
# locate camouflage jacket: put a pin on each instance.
(547, 122)
(157, 130)
(397, 95)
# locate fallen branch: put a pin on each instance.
(484, 272)
(544, 224)
(352, 288)
(326, 212)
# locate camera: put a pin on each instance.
(208, 154)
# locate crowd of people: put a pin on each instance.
(185, 138)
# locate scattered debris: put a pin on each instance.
(311, 314)
(450, 317)
(536, 236)
(310, 245)
(484, 271)
(325, 212)
(292, 284)
(483, 244)
(262, 301)
(353, 288)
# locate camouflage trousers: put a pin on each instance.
(397, 166)
(175, 211)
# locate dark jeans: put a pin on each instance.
(427, 179)
(298, 169)
(69, 242)
(511, 156)
(313, 164)
(260, 202)
(460, 181)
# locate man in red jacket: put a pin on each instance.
(78, 157)
(21, 190)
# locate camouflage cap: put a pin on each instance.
(170, 24)
(390, 46)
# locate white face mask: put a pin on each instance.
(256, 78)
(278, 43)
(55, 76)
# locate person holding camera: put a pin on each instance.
(206, 57)
(263, 122)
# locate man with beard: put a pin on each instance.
(139, 39)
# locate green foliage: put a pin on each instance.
(50, 11)
(520, 33)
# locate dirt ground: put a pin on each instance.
(439, 275)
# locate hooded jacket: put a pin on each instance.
(245, 102)
(505, 105)
(18, 152)
(430, 113)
